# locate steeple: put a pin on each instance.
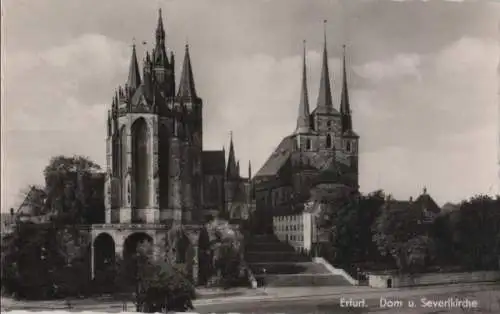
(160, 31)
(303, 120)
(186, 84)
(345, 107)
(160, 52)
(249, 170)
(231, 171)
(325, 102)
(134, 77)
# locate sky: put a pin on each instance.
(423, 79)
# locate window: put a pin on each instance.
(329, 124)
(348, 146)
(328, 141)
(308, 144)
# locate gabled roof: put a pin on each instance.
(425, 202)
(28, 206)
(278, 158)
(213, 162)
(350, 133)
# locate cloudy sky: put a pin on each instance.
(423, 81)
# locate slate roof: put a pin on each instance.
(325, 111)
(425, 201)
(213, 162)
(350, 133)
(278, 158)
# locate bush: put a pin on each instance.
(156, 285)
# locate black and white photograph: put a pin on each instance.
(250, 156)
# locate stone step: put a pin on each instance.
(287, 268)
(301, 280)
(269, 247)
(271, 257)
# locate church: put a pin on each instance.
(321, 153)
(157, 170)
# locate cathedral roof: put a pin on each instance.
(213, 162)
(278, 158)
(426, 202)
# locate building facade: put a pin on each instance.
(322, 150)
(160, 183)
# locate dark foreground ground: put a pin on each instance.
(318, 300)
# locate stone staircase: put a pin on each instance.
(275, 263)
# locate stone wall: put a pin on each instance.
(397, 281)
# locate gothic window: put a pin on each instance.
(328, 141)
(140, 163)
(348, 147)
(308, 144)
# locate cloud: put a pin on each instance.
(400, 66)
(55, 105)
(438, 130)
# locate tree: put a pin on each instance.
(158, 286)
(398, 232)
(348, 218)
(74, 189)
(477, 226)
(42, 261)
(225, 245)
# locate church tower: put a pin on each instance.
(154, 141)
(350, 140)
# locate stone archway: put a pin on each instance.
(204, 256)
(133, 241)
(104, 261)
(131, 261)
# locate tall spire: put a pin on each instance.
(134, 77)
(231, 171)
(160, 52)
(186, 84)
(249, 170)
(325, 90)
(345, 107)
(303, 120)
(160, 31)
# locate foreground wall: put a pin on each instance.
(396, 281)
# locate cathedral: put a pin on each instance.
(322, 152)
(157, 170)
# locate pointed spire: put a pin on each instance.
(231, 171)
(325, 90)
(303, 120)
(345, 108)
(186, 84)
(160, 31)
(249, 170)
(134, 78)
(160, 52)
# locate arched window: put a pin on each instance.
(328, 141)
(308, 144)
(348, 146)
